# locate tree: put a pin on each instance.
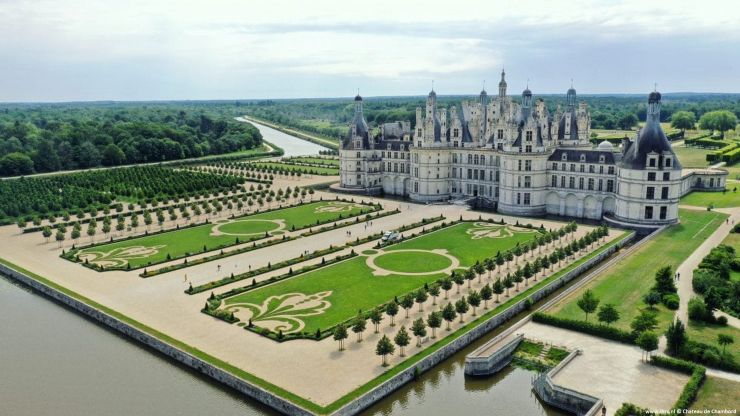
(75, 235)
(391, 309)
(646, 321)
(724, 340)
(664, 283)
(407, 302)
(402, 339)
(648, 342)
(676, 336)
(60, 237)
(474, 299)
(434, 320)
(340, 334)
(458, 279)
(446, 285)
(384, 348)
(434, 292)
(608, 314)
(46, 232)
(720, 120)
(490, 265)
(420, 298)
(46, 158)
(486, 294)
(469, 275)
(358, 326)
(113, 155)
(651, 299)
(419, 329)
(14, 164)
(376, 317)
(498, 289)
(627, 121)
(462, 307)
(449, 314)
(479, 269)
(697, 309)
(588, 303)
(683, 120)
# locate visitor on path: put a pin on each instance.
(218, 268)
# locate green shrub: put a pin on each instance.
(671, 301)
(629, 409)
(590, 328)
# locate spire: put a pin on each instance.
(653, 111)
(570, 96)
(502, 85)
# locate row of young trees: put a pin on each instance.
(474, 298)
(44, 196)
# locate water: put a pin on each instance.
(291, 145)
(55, 362)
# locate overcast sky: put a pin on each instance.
(60, 50)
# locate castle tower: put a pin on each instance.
(502, 85)
(649, 174)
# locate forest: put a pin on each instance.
(37, 138)
(329, 117)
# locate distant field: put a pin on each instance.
(717, 199)
(692, 157)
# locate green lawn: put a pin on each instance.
(733, 240)
(707, 333)
(692, 157)
(333, 294)
(717, 199)
(626, 282)
(717, 394)
(733, 174)
(314, 161)
(154, 249)
(297, 168)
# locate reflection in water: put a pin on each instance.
(55, 362)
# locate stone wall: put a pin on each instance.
(407, 375)
(479, 365)
(222, 376)
(564, 398)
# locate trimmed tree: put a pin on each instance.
(402, 339)
(651, 299)
(434, 320)
(420, 298)
(391, 309)
(608, 314)
(449, 314)
(376, 317)
(462, 307)
(407, 303)
(474, 299)
(419, 329)
(446, 284)
(486, 294)
(340, 334)
(648, 342)
(384, 348)
(358, 326)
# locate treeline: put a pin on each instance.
(607, 111)
(52, 137)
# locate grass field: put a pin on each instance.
(717, 394)
(717, 199)
(692, 157)
(297, 168)
(707, 333)
(154, 248)
(625, 283)
(315, 160)
(330, 295)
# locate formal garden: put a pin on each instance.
(182, 242)
(288, 168)
(442, 259)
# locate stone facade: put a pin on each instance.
(518, 158)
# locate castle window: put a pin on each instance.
(519, 164)
(591, 169)
(554, 166)
(528, 148)
(382, 154)
(527, 181)
(456, 144)
(611, 170)
(583, 158)
(554, 182)
(583, 168)
(518, 198)
(482, 159)
(562, 166)
(358, 155)
(572, 167)
(496, 176)
(416, 186)
(500, 134)
(497, 192)
(663, 212)
(601, 170)
(562, 181)
(666, 176)
(475, 174)
(610, 186)
(664, 193)
(648, 213)
(601, 159)
(564, 157)
(470, 159)
(529, 136)
(470, 173)
(651, 162)
(590, 184)
(475, 158)
(668, 162)
(395, 155)
(601, 184)
(650, 194)
(580, 183)
(395, 167)
(572, 182)
(651, 176)
(527, 165)
(527, 198)
(455, 133)
(454, 172)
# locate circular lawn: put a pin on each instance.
(248, 227)
(412, 261)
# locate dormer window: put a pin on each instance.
(565, 156)
(668, 162)
(529, 136)
(583, 158)
(601, 159)
(651, 162)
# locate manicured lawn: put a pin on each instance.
(460, 241)
(324, 297)
(717, 199)
(717, 394)
(707, 333)
(315, 161)
(626, 282)
(733, 240)
(734, 173)
(297, 168)
(692, 157)
(154, 249)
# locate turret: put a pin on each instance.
(570, 98)
(502, 85)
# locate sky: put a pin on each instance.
(75, 50)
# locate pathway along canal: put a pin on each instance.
(54, 361)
